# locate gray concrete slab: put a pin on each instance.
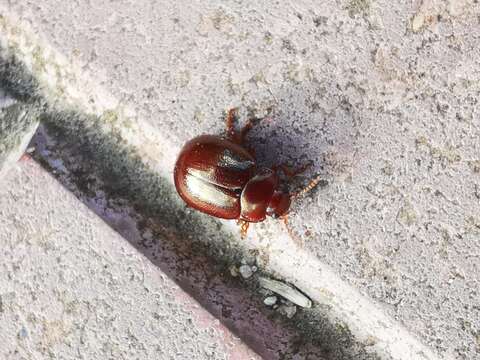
(381, 96)
(72, 288)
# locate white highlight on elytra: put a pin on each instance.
(228, 160)
(206, 192)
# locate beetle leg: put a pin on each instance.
(246, 128)
(240, 136)
(243, 228)
(237, 136)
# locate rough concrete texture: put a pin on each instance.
(72, 288)
(382, 96)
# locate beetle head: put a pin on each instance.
(279, 204)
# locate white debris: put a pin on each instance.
(246, 271)
(287, 291)
(418, 22)
(270, 301)
(288, 311)
(233, 271)
(23, 333)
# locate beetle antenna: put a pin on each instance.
(230, 122)
(311, 185)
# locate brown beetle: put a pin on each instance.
(219, 176)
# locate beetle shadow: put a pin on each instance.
(304, 127)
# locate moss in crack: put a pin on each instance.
(16, 80)
(16, 121)
(333, 337)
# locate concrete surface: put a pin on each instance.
(72, 288)
(381, 96)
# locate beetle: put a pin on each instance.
(219, 176)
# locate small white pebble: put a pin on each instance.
(245, 271)
(286, 291)
(23, 333)
(233, 271)
(269, 301)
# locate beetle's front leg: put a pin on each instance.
(243, 228)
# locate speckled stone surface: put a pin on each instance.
(72, 288)
(382, 96)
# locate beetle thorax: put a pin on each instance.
(260, 197)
